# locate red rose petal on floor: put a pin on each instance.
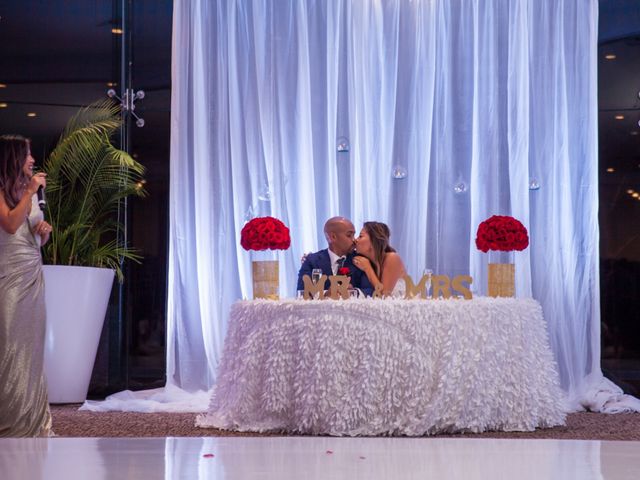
(208, 455)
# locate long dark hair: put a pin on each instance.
(14, 150)
(379, 235)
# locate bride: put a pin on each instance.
(378, 260)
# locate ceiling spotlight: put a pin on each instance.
(634, 132)
(610, 56)
(112, 84)
(619, 117)
(116, 31)
(4, 105)
(3, 85)
(635, 194)
(31, 114)
(611, 169)
(630, 191)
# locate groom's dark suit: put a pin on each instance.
(322, 260)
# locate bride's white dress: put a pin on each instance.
(399, 289)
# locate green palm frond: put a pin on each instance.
(87, 180)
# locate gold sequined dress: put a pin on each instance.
(24, 408)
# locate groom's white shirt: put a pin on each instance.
(334, 260)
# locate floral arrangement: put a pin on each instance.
(265, 233)
(501, 233)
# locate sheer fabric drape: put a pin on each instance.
(477, 101)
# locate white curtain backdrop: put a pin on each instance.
(477, 101)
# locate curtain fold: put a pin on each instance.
(476, 101)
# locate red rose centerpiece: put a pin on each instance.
(503, 234)
(265, 233)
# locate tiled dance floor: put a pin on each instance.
(307, 458)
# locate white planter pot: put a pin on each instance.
(76, 299)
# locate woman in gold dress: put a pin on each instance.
(24, 408)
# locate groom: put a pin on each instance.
(339, 232)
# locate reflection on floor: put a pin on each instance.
(316, 457)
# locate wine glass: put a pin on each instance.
(316, 273)
(429, 273)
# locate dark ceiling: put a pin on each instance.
(57, 55)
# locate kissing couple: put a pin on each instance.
(368, 260)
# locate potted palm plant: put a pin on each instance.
(87, 180)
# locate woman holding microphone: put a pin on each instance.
(24, 407)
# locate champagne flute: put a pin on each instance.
(429, 273)
(316, 273)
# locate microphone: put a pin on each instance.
(42, 202)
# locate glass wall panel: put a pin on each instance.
(619, 143)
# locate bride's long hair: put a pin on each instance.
(13, 154)
(379, 235)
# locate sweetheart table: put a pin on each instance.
(386, 367)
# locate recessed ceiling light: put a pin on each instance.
(3, 85)
(112, 84)
(635, 132)
(610, 56)
(31, 114)
(635, 194)
(116, 31)
(630, 191)
(611, 169)
(619, 117)
(4, 105)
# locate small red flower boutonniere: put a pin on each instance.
(344, 271)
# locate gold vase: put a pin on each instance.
(265, 279)
(502, 275)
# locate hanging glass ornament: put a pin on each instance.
(342, 144)
(399, 172)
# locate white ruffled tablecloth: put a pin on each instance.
(386, 367)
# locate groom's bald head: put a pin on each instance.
(340, 232)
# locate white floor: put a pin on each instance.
(307, 458)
